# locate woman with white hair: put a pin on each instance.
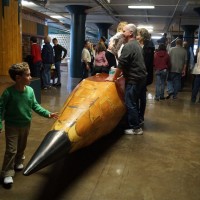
(117, 41)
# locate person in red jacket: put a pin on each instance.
(161, 66)
(36, 58)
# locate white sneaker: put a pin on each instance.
(8, 180)
(19, 167)
(129, 131)
(138, 131)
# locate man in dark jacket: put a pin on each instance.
(131, 62)
(47, 59)
(58, 57)
(147, 45)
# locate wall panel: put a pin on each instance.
(10, 35)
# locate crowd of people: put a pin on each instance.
(43, 60)
(133, 54)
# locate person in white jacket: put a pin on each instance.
(117, 41)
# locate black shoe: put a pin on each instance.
(58, 84)
(162, 98)
(169, 96)
(157, 99)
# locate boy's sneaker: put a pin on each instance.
(138, 131)
(8, 180)
(19, 167)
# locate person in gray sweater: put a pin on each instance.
(178, 59)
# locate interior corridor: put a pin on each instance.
(161, 164)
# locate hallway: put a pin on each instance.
(161, 164)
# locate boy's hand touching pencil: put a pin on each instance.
(54, 115)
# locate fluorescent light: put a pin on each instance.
(56, 16)
(141, 7)
(155, 37)
(149, 28)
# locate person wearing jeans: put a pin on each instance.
(46, 75)
(161, 77)
(161, 66)
(58, 49)
(47, 59)
(173, 84)
(131, 63)
(178, 59)
(144, 39)
(132, 94)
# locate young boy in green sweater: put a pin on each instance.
(16, 105)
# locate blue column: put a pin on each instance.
(189, 34)
(77, 37)
(103, 29)
(198, 11)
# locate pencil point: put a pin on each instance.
(55, 145)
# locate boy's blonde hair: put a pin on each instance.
(18, 69)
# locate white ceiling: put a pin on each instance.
(168, 15)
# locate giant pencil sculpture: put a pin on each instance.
(93, 109)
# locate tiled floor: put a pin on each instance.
(162, 164)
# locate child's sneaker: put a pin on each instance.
(19, 167)
(8, 180)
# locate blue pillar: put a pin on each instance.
(198, 11)
(189, 34)
(103, 29)
(77, 37)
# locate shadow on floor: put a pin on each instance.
(66, 171)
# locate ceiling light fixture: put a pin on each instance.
(141, 7)
(155, 37)
(145, 26)
(148, 27)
